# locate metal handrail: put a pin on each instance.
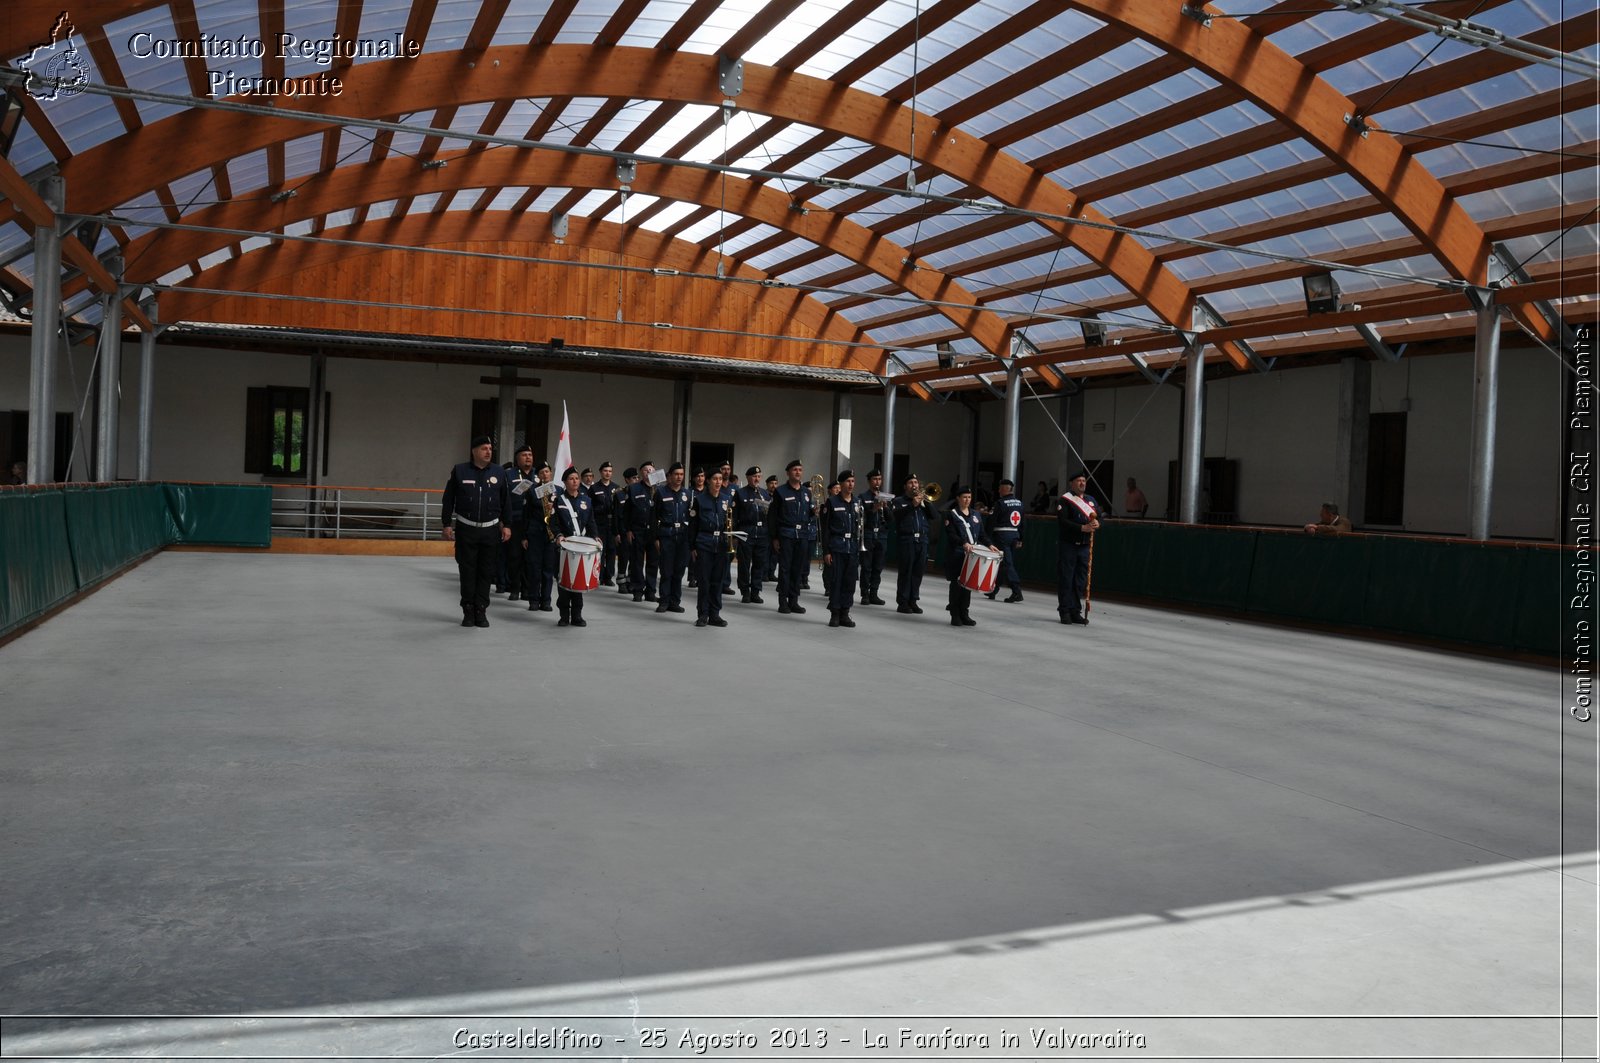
(341, 512)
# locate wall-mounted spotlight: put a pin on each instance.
(1094, 331)
(1322, 293)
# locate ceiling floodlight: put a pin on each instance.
(1322, 293)
(558, 227)
(1094, 331)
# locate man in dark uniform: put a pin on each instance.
(730, 486)
(963, 529)
(791, 530)
(750, 517)
(520, 477)
(1005, 531)
(711, 510)
(673, 538)
(603, 496)
(875, 536)
(912, 516)
(477, 514)
(640, 533)
(573, 515)
(542, 558)
(697, 484)
(822, 531)
(841, 541)
(772, 555)
(1077, 519)
(619, 530)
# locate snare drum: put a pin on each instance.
(980, 569)
(580, 563)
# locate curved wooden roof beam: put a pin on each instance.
(131, 164)
(159, 252)
(1286, 88)
(268, 268)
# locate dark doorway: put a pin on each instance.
(1386, 469)
(710, 456)
(533, 428)
(1219, 491)
(896, 477)
(14, 442)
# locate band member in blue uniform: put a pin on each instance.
(730, 487)
(963, 529)
(542, 558)
(639, 535)
(875, 536)
(673, 538)
(477, 518)
(573, 514)
(1077, 519)
(1005, 531)
(712, 513)
(841, 541)
(697, 484)
(791, 528)
(619, 529)
(603, 494)
(516, 555)
(913, 518)
(772, 554)
(750, 517)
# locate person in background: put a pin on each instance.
(19, 473)
(1041, 500)
(1005, 531)
(1329, 522)
(476, 513)
(1134, 503)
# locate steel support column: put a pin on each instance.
(1013, 428)
(46, 324)
(314, 417)
(843, 431)
(105, 458)
(888, 438)
(1194, 432)
(147, 383)
(682, 414)
(1485, 412)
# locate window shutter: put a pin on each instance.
(257, 430)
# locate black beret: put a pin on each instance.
(478, 441)
(1005, 483)
(604, 465)
(845, 475)
(754, 470)
(541, 465)
(874, 472)
(629, 473)
(963, 489)
(571, 470)
(524, 449)
(796, 463)
(676, 466)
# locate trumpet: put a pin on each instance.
(932, 491)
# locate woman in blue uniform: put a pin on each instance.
(573, 515)
(963, 529)
(710, 523)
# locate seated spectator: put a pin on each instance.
(1330, 523)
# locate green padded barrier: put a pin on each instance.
(108, 525)
(35, 554)
(1310, 577)
(1461, 591)
(1200, 566)
(219, 515)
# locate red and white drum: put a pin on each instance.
(580, 563)
(980, 569)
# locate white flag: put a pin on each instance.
(564, 446)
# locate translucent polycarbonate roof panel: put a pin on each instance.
(422, 204)
(136, 40)
(1141, 105)
(378, 211)
(588, 18)
(621, 212)
(590, 203)
(506, 198)
(658, 18)
(246, 173)
(850, 43)
(1528, 197)
(681, 124)
(301, 156)
(1576, 241)
(217, 257)
(235, 20)
(452, 21)
(314, 21)
(381, 20)
(466, 198)
(146, 206)
(13, 237)
(198, 189)
(410, 143)
(82, 120)
(667, 216)
(28, 152)
(820, 268)
(339, 219)
(177, 276)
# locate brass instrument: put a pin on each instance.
(727, 528)
(819, 491)
(932, 491)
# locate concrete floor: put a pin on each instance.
(236, 784)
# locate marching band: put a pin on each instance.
(642, 535)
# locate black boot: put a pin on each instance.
(467, 615)
(844, 619)
(1016, 595)
(966, 619)
(577, 613)
(795, 606)
(479, 618)
(833, 618)
(991, 595)
(566, 616)
(783, 605)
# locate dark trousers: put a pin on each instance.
(872, 566)
(1072, 577)
(794, 557)
(674, 562)
(960, 596)
(569, 604)
(913, 560)
(477, 559)
(727, 571)
(542, 561)
(828, 572)
(608, 556)
(709, 561)
(752, 562)
(641, 564)
(846, 569)
(1007, 545)
(516, 563)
